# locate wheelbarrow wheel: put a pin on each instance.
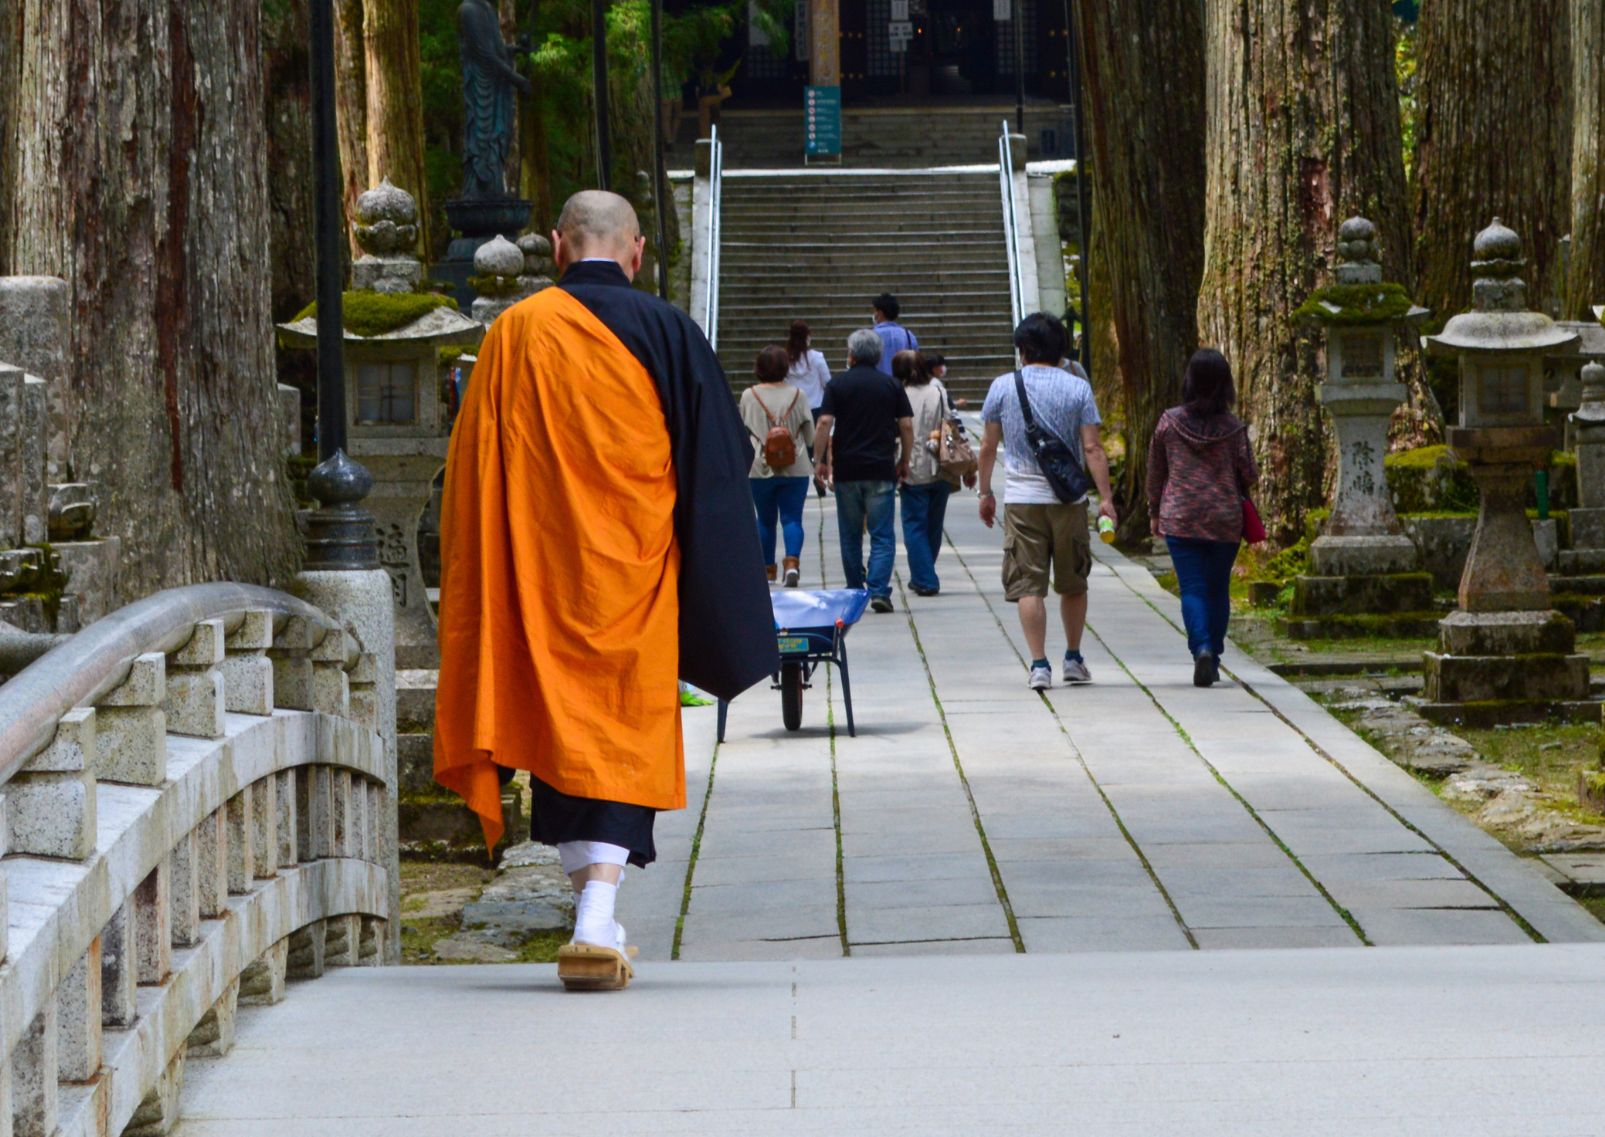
(791, 692)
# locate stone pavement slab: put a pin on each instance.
(1476, 1042)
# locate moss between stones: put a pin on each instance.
(377, 313)
(1356, 304)
(494, 286)
(1429, 480)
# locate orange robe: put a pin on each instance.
(559, 606)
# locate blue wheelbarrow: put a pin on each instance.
(810, 629)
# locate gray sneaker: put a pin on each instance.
(1075, 671)
(1041, 678)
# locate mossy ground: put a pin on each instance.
(423, 924)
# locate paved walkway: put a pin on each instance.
(1131, 821)
(1405, 1042)
(971, 815)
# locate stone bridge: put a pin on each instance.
(198, 805)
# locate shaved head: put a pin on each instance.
(598, 224)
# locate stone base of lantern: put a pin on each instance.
(1382, 554)
(1498, 667)
(1378, 604)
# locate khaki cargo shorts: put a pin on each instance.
(1035, 536)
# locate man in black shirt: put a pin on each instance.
(864, 419)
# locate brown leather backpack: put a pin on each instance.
(779, 445)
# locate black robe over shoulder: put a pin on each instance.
(727, 628)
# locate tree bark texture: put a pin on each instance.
(351, 106)
(10, 46)
(393, 73)
(142, 181)
(1145, 137)
(287, 71)
(1303, 131)
(1585, 278)
(1494, 139)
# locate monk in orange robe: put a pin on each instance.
(597, 546)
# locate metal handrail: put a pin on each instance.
(715, 203)
(1011, 232)
(85, 666)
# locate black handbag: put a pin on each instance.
(1058, 463)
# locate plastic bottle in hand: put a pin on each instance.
(1106, 530)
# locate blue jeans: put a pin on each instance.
(784, 497)
(1204, 572)
(924, 509)
(876, 503)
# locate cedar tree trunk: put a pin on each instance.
(351, 106)
(143, 183)
(1494, 138)
(1303, 131)
(1585, 279)
(1145, 141)
(394, 77)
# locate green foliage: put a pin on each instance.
(1405, 68)
(375, 313)
(1356, 304)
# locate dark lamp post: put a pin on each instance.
(604, 128)
(339, 534)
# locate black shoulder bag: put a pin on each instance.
(1055, 459)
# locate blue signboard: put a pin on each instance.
(822, 122)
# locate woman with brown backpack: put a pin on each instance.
(777, 416)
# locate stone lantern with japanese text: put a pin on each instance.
(396, 422)
(1364, 565)
(1504, 649)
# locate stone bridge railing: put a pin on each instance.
(195, 804)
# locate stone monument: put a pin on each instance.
(484, 208)
(1505, 654)
(505, 273)
(1366, 570)
(395, 419)
(1587, 519)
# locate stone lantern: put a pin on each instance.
(395, 422)
(1364, 564)
(1504, 647)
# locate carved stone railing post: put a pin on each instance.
(211, 864)
(153, 926)
(119, 970)
(240, 830)
(247, 671)
(264, 829)
(79, 1017)
(287, 818)
(34, 1076)
(262, 983)
(292, 669)
(185, 890)
(131, 725)
(195, 683)
(50, 806)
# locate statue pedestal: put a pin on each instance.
(475, 221)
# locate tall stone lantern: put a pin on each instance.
(1364, 564)
(395, 421)
(1504, 648)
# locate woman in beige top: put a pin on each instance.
(926, 489)
(772, 404)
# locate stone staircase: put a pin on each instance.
(819, 246)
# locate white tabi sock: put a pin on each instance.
(593, 918)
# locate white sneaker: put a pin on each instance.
(1076, 671)
(1041, 678)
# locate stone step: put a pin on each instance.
(415, 699)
